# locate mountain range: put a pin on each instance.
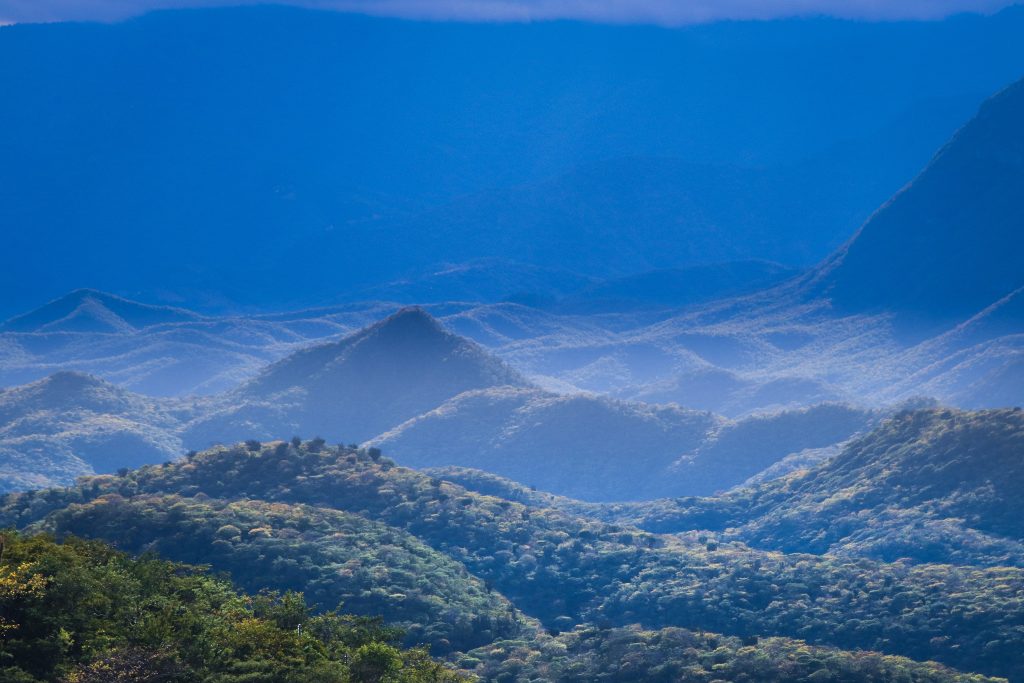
(428, 396)
(542, 351)
(552, 398)
(927, 486)
(893, 314)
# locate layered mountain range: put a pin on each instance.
(636, 376)
(553, 398)
(892, 314)
(430, 397)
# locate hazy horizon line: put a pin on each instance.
(666, 13)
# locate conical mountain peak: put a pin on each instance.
(411, 321)
(62, 392)
(92, 310)
(377, 378)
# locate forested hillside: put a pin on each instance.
(567, 570)
(604, 655)
(334, 558)
(925, 486)
(81, 611)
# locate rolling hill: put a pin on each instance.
(578, 445)
(335, 558)
(925, 486)
(432, 399)
(568, 571)
(597, 449)
(741, 449)
(71, 424)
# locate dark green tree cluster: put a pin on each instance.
(81, 612)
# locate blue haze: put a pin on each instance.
(281, 157)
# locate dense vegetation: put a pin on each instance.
(334, 558)
(568, 570)
(926, 486)
(80, 612)
(603, 655)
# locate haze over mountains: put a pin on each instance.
(408, 385)
(511, 352)
(947, 246)
(573, 444)
(358, 387)
(925, 486)
(522, 401)
(69, 425)
(893, 314)
(643, 148)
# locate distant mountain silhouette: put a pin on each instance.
(579, 445)
(145, 130)
(951, 243)
(89, 310)
(358, 387)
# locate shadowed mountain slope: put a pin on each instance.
(950, 243)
